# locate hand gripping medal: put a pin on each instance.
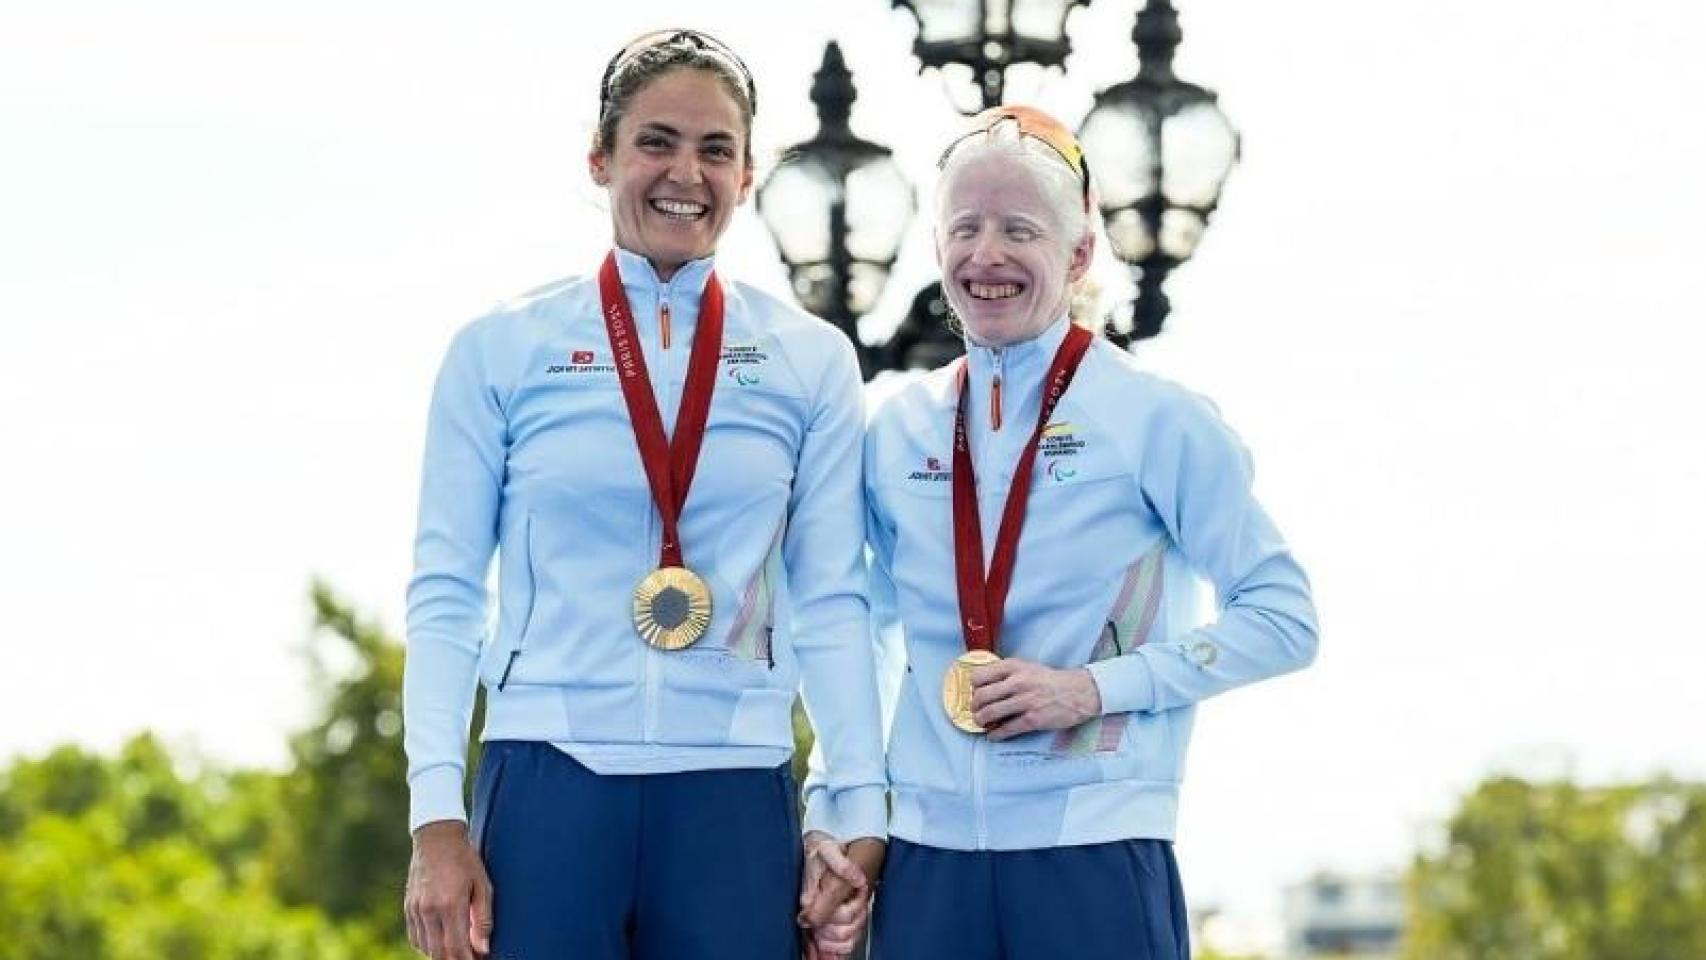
(672, 605)
(982, 599)
(956, 688)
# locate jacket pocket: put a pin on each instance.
(1148, 750)
(752, 625)
(498, 662)
(713, 698)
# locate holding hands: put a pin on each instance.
(835, 892)
(1009, 697)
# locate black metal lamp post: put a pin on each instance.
(837, 207)
(1162, 150)
(923, 340)
(975, 41)
(984, 37)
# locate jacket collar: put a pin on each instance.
(639, 276)
(1021, 367)
(1024, 353)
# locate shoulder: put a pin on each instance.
(541, 303)
(1119, 385)
(554, 302)
(897, 398)
(1143, 411)
(911, 420)
(505, 337)
(796, 330)
(815, 351)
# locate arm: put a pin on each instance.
(461, 484)
(1196, 476)
(887, 639)
(823, 550)
(839, 878)
(448, 904)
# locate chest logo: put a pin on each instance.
(744, 363)
(581, 362)
(933, 472)
(1060, 445)
(1060, 439)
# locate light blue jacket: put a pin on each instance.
(1138, 491)
(530, 453)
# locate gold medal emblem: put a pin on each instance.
(956, 688)
(672, 608)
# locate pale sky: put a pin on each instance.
(1451, 301)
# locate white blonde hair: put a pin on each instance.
(1058, 184)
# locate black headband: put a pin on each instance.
(703, 42)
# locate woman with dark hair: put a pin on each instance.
(1040, 511)
(668, 467)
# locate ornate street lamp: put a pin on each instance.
(1162, 151)
(979, 39)
(837, 207)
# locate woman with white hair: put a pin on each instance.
(1040, 511)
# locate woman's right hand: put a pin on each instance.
(449, 901)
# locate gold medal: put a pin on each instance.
(672, 608)
(956, 688)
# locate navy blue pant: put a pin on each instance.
(703, 864)
(1105, 901)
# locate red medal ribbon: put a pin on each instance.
(983, 600)
(669, 462)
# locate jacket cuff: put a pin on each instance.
(1125, 683)
(436, 794)
(849, 813)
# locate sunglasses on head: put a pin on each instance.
(1037, 125)
(701, 42)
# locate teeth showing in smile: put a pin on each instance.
(993, 291)
(679, 209)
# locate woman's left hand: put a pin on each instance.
(835, 895)
(1013, 696)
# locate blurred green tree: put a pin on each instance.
(803, 740)
(343, 842)
(1556, 871)
(130, 859)
(143, 855)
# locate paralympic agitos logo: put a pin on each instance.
(743, 363)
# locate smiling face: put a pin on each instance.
(676, 168)
(1008, 261)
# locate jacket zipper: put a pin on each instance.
(648, 722)
(977, 755)
(980, 744)
(995, 392)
